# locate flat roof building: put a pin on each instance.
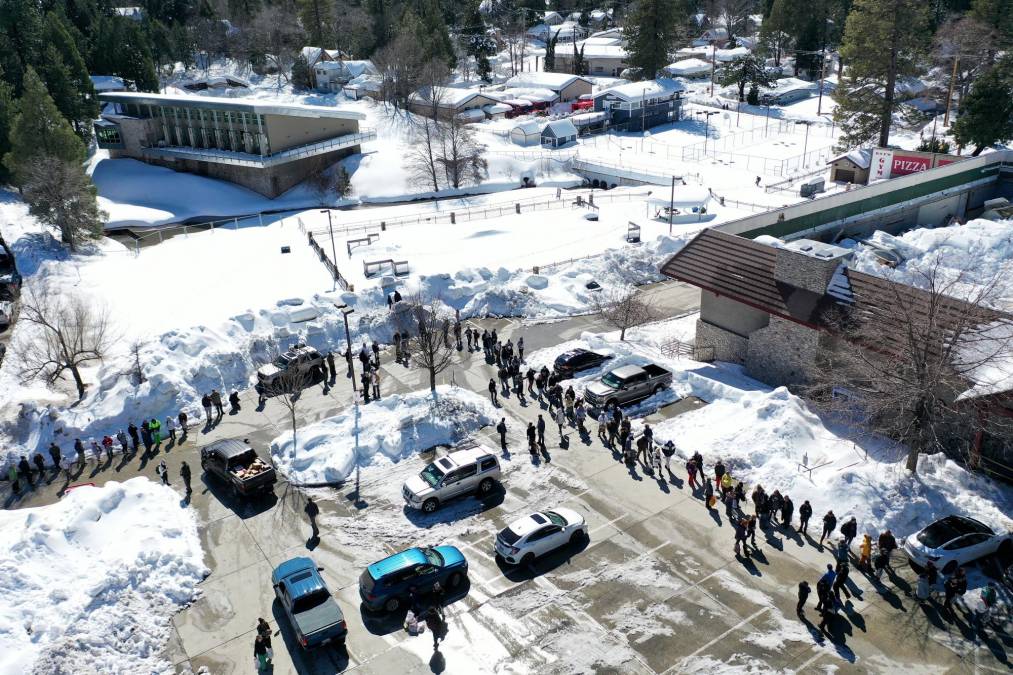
(267, 147)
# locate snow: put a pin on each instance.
(639, 91)
(78, 595)
(688, 67)
(543, 80)
(396, 427)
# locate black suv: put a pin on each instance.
(572, 362)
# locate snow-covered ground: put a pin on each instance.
(769, 436)
(395, 427)
(79, 596)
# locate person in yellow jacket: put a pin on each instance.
(726, 482)
(865, 551)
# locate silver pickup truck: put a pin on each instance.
(627, 385)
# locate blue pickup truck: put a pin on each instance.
(313, 613)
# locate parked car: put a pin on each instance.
(572, 362)
(470, 469)
(540, 533)
(300, 366)
(389, 583)
(236, 464)
(627, 384)
(956, 540)
(308, 605)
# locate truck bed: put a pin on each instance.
(654, 370)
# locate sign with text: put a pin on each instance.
(904, 164)
(882, 160)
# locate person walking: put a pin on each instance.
(260, 653)
(668, 451)
(25, 469)
(170, 428)
(887, 543)
(865, 552)
(312, 511)
(642, 450)
(205, 402)
(216, 400)
(540, 429)
(561, 423)
(803, 594)
(374, 379)
(849, 530)
(184, 473)
(55, 454)
(841, 578)
(880, 562)
(691, 473)
(163, 472)
(264, 631)
(741, 535)
(805, 512)
(824, 586)
(829, 525)
(502, 429)
(953, 587)
(751, 530)
(492, 392)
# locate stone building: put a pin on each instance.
(267, 147)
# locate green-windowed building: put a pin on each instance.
(265, 146)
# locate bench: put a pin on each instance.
(373, 267)
(361, 241)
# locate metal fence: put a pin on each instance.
(332, 268)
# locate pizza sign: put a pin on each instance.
(905, 164)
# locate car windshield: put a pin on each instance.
(942, 532)
(611, 380)
(310, 600)
(509, 537)
(555, 518)
(433, 556)
(282, 361)
(432, 474)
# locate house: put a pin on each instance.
(641, 105)
(729, 55)
(313, 56)
(526, 133)
(566, 31)
(712, 36)
(217, 83)
(566, 87)
(589, 122)
(689, 68)
(363, 86)
(103, 83)
(552, 18)
(265, 146)
(496, 111)
(601, 60)
(558, 133)
(541, 98)
(132, 13)
(600, 17)
(450, 101)
(852, 166)
(333, 75)
(787, 90)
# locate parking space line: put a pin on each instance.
(604, 525)
(722, 636)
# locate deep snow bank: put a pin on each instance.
(395, 427)
(89, 583)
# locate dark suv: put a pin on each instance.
(572, 362)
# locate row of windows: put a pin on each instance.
(233, 140)
(201, 116)
(108, 135)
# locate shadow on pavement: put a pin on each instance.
(543, 565)
(385, 623)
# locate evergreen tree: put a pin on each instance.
(39, 129)
(61, 195)
(301, 77)
(316, 17)
(579, 64)
(134, 63)
(21, 29)
(997, 14)
(7, 115)
(79, 104)
(986, 113)
(883, 41)
(550, 53)
(651, 28)
(745, 70)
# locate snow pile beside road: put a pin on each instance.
(90, 583)
(395, 427)
(965, 258)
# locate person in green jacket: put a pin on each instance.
(12, 475)
(156, 430)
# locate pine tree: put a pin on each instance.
(986, 113)
(550, 53)
(651, 28)
(997, 14)
(745, 70)
(883, 41)
(79, 105)
(61, 195)
(301, 79)
(133, 58)
(7, 115)
(21, 28)
(39, 129)
(316, 17)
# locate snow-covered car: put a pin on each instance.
(540, 533)
(956, 540)
(299, 367)
(470, 469)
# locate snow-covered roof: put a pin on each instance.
(263, 107)
(562, 31)
(560, 128)
(715, 34)
(216, 82)
(531, 94)
(725, 55)
(529, 128)
(473, 115)
(552, 17)
(311, 54)
(108, 83)
(599, 41)
(553, 81)
(860, 157)
(688, 67)
(638, 91)
(494, 108)
(452, 97)
(786, 84)
(584, 119)
(595, 51)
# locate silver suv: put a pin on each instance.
(469, 469)
(299, 367)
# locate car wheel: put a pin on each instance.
(485, 487)
(657, 390)
(528, 559)
(950, 567)
(454, 580)
(392, 604)
(612, 402)
(430, 505)
(578, 537)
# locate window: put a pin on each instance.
(467, 471)
(108, 135)
(488, 464)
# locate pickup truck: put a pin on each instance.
(627, 384)
(303, 595)
(237, 464)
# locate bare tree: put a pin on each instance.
(912, 363)
(430, 346)
(404, 70)
(69, 334)
(622, 307)
(274, 39)
(353, 29)
(287, 389)
(461, 155)
(963, 48)
(422, 160)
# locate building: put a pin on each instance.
(712, 36)
(641, 105)
(267, 147)
(103, 83)
(852, 166)
(132, 13)
(332, 76)
(567, 31)
(786, 90)
(552, 18)
(608, 60)
(450, 101)
(526, 133)
(558, 133)
(689, 68)
(729, 55)
(566, 87)
(218, 83)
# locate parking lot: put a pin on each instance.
(657, 589)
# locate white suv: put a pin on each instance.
(469, 469)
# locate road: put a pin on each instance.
(656, 590)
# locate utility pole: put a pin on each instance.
(643, 118)
(334, 251)
(345, 311)
(823, 68)
(949, 95)
(714, 52)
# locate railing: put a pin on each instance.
(260, 162)
(328, 263)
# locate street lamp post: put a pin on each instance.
(707, 126)
(805, 145)
(334, 251)
(345, 311)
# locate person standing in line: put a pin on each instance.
(708, 493)
(540, 427)
(561, 423)
(829, 525)
(887, 543)
(366, 385)
(843, 570)
(146, 437)
(25, 469)
(264, 631)
(216, 400)
(520, 348)
(374, 379)
(135, 440)
(12, 476)
(79, 449)
(170, 429)
(803, 594)
(865, 552)
(691, 473)
(376, 354)
(55, 455)
(332, 371)
(182, 417)
(719, 471)
(40, 464)
(502, 429)
(492, 392)
(260, 653)
(184, 473)
(312, 511)
(122, 438)
(787, 509)
(668, 450)
(805, 512)
(155, 427)
(740, 538)
(849, 530)
(823, 588)
(163, 472)
(205, 402)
